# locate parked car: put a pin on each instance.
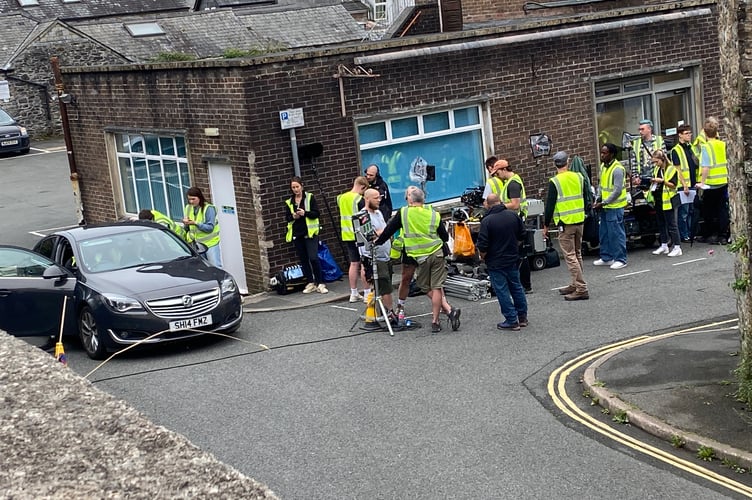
(134, 282)
(13, 137)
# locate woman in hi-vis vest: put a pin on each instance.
(302, 215)
(201, 225)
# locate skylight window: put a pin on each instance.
(144, 29)
(28, 3)
(71, 1)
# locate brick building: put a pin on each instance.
(583, 74)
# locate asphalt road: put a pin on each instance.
(314, 410)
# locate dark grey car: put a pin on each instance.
(135, 282)
(13, 137)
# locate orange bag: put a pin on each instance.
(463, 241)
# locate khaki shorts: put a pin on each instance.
(432, 273)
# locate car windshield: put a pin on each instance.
(5, 118)
(131, 248)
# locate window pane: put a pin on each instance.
(616, 117)
(404, 127)
(156, 181)
(467, 116)
(122, 143)
(435, 122)
(152, 145)
(180, 141)
(635, 86)
(374, 132)
(458, 159)
(137, 143)
(141, 174)
(174, 189)
(167, 145)
(126, 180)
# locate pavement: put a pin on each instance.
(676, 385)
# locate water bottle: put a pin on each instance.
(401, 316)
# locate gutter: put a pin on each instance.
(529, 37)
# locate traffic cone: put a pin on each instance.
(370, 316)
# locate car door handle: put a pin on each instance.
(4, 292)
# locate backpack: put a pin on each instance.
(289, 279)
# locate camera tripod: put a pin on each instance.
(376, 295)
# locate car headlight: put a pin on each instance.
(228, 286)
(23, 131)
(120, 303)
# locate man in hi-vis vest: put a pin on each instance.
(350, 203)
(714, 184)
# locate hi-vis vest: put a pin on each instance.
(523, 199)
(667, 193)
(699, 141)
(194, 233)
(497, 185)
(718, 172)
(348, 206)
(397, 246)
(570, 204)
(683, 164)
(607, 185)
(170, 224)
(639, 149)
(311, 224)
(420, 231)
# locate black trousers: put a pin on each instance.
(308, 253)
(715, 213)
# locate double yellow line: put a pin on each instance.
(557, 390)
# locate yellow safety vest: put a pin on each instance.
(523, 198)
(497, 185)
(311, 224)
(718, 172)
(683, 164)
(170, 224)
(397, 246)
(420, 231)
(638, 149)
(194, 233)
(667, 192)
(698, 143)
(348, 206)
(570, 203)
(607, 185)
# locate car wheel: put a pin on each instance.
(24, 151)
(538, 262)
(89, 334)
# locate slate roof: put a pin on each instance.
(15, 29)
(262, 6)
(202, 34)
(305, 27)
(56, 9)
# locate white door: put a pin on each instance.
(223, 197)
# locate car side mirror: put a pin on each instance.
(55, 272)
(199, 247)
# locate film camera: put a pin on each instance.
(473, 197)
(363, 228)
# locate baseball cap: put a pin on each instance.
(560, 158)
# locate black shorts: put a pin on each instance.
(353, 254)
(407, 260)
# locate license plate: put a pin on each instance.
(9, 143)
(184, 324)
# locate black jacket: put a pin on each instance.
(501, 230)
(385, 205)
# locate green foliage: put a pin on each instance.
(599, 383)
(743, 374)
(586, 394)
(605, 411)
(677, 441)
(620, 417)
(706, 453)
(595, 401)
(741, 284)
(737, 245)
(172, 57)
(726, 462)
(268, 48)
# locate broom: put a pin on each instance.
(59, 351)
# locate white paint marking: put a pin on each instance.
(632, 274)
(49, 230)
(345, 308)
(689, 261)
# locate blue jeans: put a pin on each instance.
(214, 256)
(684, 218)
(613, 237)
(509, 292)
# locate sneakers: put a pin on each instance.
(577, 296)
(675, 252)
(601, 262)
(506, 325)
(454, 318)
(567, 290)
(310, 287)
(322, 288)
(354, 297)
(661, 249)
(522, 320)
(435, 327)
(528, 291)
(618, 265)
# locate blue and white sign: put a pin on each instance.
(291, 118)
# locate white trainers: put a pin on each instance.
(601, 262)
(618, 265)
(354, 297)
(675, 252)
(310, 287)
(661, 249)
(322, 288)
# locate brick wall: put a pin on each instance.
(474, 11)
(530, 87)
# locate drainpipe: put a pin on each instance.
(74, 178)
(529, 37)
